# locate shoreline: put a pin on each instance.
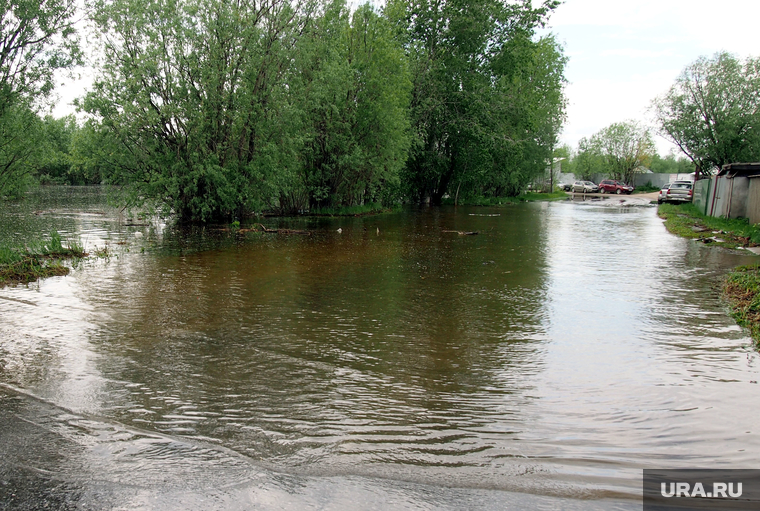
(741, 287)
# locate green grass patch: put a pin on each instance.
(364, 209)
(687, 221)
(742, 291)
(500, 201)
(24, 264)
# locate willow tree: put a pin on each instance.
(351, 86)
(192, 92)
(466, 57)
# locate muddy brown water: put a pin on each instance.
(542, 363)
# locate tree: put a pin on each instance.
(588, 161)
(194, 92)
(351, 85)
(20, 130)
(471, 64)
(623, 147)
(54, 151)
(565, 154)
(671, 165)
(223, 108)
(37, 38)
(712, 112)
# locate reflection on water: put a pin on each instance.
(557, 352)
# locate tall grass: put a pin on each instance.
(38, 259)
(742, 290)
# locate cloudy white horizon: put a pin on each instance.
(621, 55)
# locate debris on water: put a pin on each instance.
(482, 214)
(697, 228)
(463, 233)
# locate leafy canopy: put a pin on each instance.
(712, 111)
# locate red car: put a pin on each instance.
(612, 186)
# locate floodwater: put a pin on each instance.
(542, 363)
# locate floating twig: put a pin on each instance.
(464, 233)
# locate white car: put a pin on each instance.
(663, 193)
(679, 191)
(585, 187)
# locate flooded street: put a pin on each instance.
(542, 363)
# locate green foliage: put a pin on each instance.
(191, 98)
(588, 160)
(37, 39)
(351, 87)
(619, 150)
(57, 140)
(210, 110)
(20, 138)
(712, 112)
(671, 165)
(213, 109)
(487, 98)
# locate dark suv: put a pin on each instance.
(612, 186)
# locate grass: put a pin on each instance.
(41, 259)
(687, 221)
(500, 201)
(742, 291)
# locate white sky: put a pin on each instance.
(624, 54)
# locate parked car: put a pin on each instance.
(663, 194)
(612, 186)
(565, 186)
(585, 187)
(679, 191)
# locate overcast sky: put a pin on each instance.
(625, 53)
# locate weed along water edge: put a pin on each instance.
(540, 364)
(22, 264)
